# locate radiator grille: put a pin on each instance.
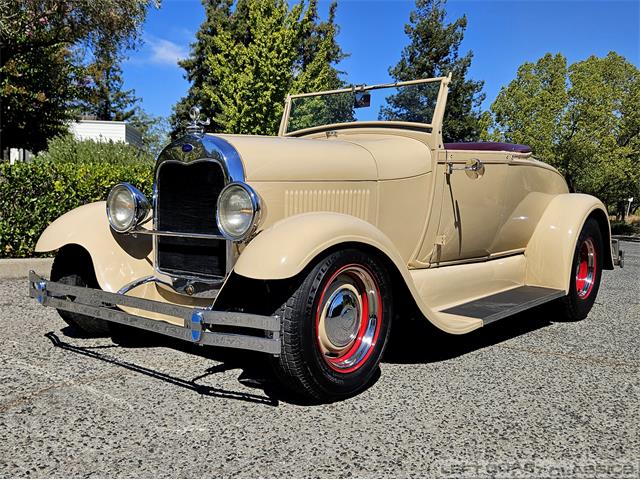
(186, 203)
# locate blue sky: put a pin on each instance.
(501, 33)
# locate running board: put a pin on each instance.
(504, 304)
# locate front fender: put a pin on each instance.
(550, 250)
(117, 259)
(287, 247)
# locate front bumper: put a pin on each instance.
(198, 322)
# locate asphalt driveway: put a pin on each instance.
(528, 396)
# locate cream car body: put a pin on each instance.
(454, 224)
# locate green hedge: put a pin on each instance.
(68, 149)
(624, 228)
(32, 195)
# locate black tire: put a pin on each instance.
(306, 365)
(582, 291)
(73, 266)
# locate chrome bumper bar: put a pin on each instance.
(197, 321)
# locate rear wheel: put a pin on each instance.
(586, 272)
(335, 326)
(73, 266)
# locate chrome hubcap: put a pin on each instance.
(342, 319)
(348, 318)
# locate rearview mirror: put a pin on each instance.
(361, 99)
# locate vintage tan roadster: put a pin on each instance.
(303, 245)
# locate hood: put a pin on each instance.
(290, 159)
(342, 158)
(348, 157)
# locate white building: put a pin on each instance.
(97, 130)
(106, 130)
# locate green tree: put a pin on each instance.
(36, 88)
(583, 119)
(40, 76)
(532, 108)
(434, 51)
(218, 18)
(154, 130)
(103, 95)
(246, 59)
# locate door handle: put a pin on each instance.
(474, 168)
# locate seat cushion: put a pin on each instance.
(489, 146)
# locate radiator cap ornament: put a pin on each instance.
(197, 123)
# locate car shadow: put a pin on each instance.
(249, 376)
(256, 373)
(416, 341)
(413, 341)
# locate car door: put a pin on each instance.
(472, 205)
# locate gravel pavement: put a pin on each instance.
(529, 396)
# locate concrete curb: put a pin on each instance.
(19, 267)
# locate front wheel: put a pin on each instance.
(73, 266)
(586, 272)
(335, 326)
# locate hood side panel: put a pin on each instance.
(396, 156)
(268, 159)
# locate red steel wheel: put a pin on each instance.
(348, 318)
(335, 325)
(586, 269)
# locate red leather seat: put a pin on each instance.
(489, 146)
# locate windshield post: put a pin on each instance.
(285, 116)
(438, 113)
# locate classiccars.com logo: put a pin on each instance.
(580, 468)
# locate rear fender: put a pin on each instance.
(550, 250)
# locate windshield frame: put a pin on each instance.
(436, 120)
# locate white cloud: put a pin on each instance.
(164, 52)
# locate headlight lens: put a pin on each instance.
(238, 209)
(126, 207)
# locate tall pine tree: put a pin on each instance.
(218, 18)
(434, 51)
(249, 54)
(103, 95)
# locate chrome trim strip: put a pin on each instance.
(192, 287)
(179, 283)
(141, 281)
(166, 233)
(204, 147)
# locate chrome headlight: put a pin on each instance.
(238, 211)
(126, 207)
